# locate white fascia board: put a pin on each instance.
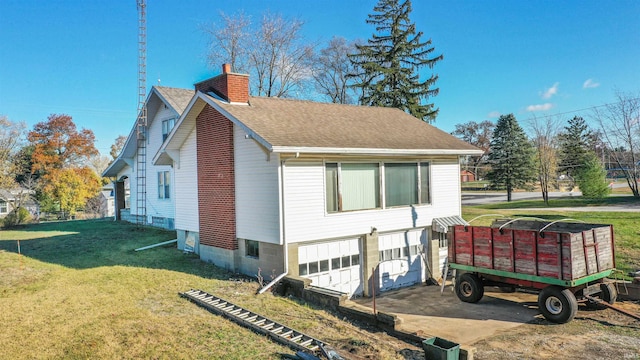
(118, 164)
(365, 151)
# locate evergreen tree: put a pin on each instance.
(592, 178)
(511, 156)
(388, 64)
(575, 146)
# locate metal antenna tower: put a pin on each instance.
(141, 125)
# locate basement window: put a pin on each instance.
(253, 248)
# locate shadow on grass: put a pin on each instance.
(84, 244)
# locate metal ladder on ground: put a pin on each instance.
(256, 322)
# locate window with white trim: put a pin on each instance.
(164, 185)
(357, 186)
(167, 125)
(3, 207)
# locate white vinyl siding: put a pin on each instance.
(305, 204)
(186, 186)
(157, 206)
(257, 190)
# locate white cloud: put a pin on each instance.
(547, 94)
(494, 114)
(590, 84)
(540, 107)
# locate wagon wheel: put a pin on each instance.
(557, 305)
(469, 288)
(609, 293)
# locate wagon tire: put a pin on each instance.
(469, 288)
(608, 293)
(557, 305)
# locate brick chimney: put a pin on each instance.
(229, 86)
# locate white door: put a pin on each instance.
(400, 261)
(333, 265)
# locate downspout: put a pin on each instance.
(282, 228)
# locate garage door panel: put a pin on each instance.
(341, 260)
(401, 264)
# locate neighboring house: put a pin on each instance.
(10, 199)
(107, 201)
(164, 106)
(323, 191)
(467, 176)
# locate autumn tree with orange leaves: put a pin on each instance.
(61, 153)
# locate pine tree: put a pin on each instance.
(511, 156)
(388, 64)
(575, 146)
(592, 178)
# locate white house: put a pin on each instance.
(164, 106)
(347, 196)
(11, 199)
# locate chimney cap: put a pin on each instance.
(226, 68)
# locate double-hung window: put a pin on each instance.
(3, 207)
(360, 186)
(164, 184)
(167, 125)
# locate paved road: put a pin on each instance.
(479, 198)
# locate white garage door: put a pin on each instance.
(400, 260)
(333, 265)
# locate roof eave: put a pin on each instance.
(375, 152)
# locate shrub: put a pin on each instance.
(17, 217)
(592, 179)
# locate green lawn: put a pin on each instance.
(565, 202)
(80, 291)
(625, 224)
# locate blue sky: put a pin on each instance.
(530, 58)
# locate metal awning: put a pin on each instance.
(442, 224)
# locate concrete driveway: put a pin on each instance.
(425, 311)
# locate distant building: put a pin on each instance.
(11, 199)
(467, 176)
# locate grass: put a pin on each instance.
(565, 202)
(80, 291)
(625, 224)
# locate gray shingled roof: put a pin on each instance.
(176, 97)
(296, 123)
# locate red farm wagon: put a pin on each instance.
(566, 262)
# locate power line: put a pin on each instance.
(574, 111)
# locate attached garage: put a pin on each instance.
(401, 262)
(334, 265)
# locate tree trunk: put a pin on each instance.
(509, 193)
